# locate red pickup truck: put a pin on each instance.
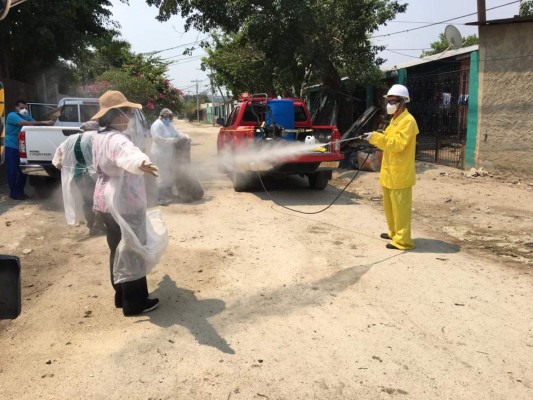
(261, 134)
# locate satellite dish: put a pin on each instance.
(453, 36)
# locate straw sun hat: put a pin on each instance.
(113, 99)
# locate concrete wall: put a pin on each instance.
(505, 125)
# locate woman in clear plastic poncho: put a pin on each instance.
(136, 238)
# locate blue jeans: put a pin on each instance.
(16, 180)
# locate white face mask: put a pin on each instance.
(23, 111)
(392, 108)
(132, 125)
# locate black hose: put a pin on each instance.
(312, 212)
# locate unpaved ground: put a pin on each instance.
(489, 215)
(258, 302)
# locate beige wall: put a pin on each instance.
(505, 125)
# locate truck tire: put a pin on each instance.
(319, 180)
(240, 181)
(43, 186)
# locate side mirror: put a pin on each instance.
(221, 121)
(10, 290)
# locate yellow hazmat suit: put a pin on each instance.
(397, 176)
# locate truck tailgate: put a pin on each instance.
(42, 142)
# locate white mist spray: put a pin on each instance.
(255, 157)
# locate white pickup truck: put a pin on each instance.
(37, 144)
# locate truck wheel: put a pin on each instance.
(43, 186)
(318, 180)
(240, 181)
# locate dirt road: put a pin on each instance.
(258, 302)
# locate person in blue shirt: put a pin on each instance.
(14, 122)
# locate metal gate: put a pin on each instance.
(440, 105)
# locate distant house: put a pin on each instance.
(473, 105)
(440, 87)
(502, 140)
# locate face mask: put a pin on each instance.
(131, 125)
(166, 121)
(392, 108)
(23, 111)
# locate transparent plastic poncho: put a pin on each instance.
(120, 190)
(72, 197)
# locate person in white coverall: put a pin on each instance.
(165, 138)
(397, 175)
(136, 237)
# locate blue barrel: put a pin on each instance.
(283, 115)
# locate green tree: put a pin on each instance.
(108, 51)
(442, 44)
(142, 80)
(36, 34)
(526, 8)
(239, 66)
(297, 42)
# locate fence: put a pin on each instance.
(440, 106)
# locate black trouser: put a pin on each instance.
(132, 295)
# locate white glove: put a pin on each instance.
(367, 136)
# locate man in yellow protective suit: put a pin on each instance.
(397, 175)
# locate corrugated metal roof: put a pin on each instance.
(517, 19)
(441, 56)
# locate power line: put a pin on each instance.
(401, 54)
(179, 62)
(425, 48)
(172, 48)
(183, 55)
(423, 22)
(441, 22)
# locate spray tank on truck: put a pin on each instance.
(275, 118)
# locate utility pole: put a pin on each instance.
(213, 103)
(212, 98)
(481, 12)
(197, 100)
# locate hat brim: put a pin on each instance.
(103, 111)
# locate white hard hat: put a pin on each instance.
(400, 91)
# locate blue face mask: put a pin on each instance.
(166, 121)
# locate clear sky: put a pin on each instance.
(146, 34)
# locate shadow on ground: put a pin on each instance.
(182, 307)
(435, 246)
